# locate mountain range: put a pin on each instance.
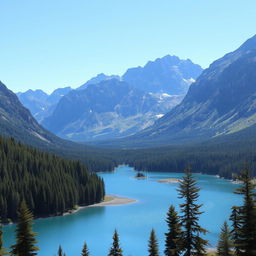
(222, 101)
(107, 107)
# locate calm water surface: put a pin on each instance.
(133, 221)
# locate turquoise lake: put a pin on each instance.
(133, 221)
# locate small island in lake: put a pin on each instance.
(140, 176)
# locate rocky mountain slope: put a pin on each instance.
(169, 75)
(40, 103)
(221, 101)
(16, 121)
(108, 109)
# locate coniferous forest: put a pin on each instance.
(49, 184)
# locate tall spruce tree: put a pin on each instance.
(225, 243)
(153, 244)
(2, 249)
(247, 214)
(235, 230)
(25, 237)
(60, 251)
(192, 242)
(85, 251)
(115, 250)
(173, 236)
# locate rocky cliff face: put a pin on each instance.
(164, 75)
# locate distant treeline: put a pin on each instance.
(51, 185)
(224, 156)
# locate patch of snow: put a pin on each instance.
(159, 115)
(39, 136)
(166, 95)
(175, 68)
(189, 81)
(3, 117)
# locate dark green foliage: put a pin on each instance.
(247, 215)
(224, 155)
(153, 244)
(25, 237)
(192, 243)
(85, 251)
(49, 184)
(140, 175)
(115, 250)
(60, 252)
(225, 243)
(235, 231)
(173, 236)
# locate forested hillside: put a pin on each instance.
(17, 122)
(51, 185)
(224, 155)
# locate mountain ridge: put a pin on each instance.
(221, 101)
(109, 108)
(169, 71)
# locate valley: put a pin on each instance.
(128, 128)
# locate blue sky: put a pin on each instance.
(55, 43)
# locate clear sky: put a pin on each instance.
(49, 44)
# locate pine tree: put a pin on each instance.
(173, 236)
(192, 243)
(153, 244)
(115, 250)
(225, 243)
(247, 215)
(2, 249)
(85, 251)
(25, 237)
(235, 231)
(60, 251)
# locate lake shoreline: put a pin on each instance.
(110, 200)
